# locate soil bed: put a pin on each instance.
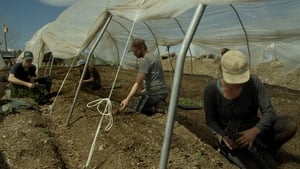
(34, 139)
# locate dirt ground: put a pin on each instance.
(59, 137)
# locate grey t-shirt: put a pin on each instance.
(155, 81)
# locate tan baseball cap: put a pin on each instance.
(235, 68)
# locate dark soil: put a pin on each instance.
(57, 136)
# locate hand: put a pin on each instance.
(143, 91)
(230, 143)
(247, 137)
(30, 85)
(123, 104)
(32, 79)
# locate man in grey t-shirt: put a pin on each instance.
(151, 75)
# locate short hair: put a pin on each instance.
(137, 42)
(224, 50)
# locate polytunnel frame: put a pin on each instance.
(116, 46)
(103, 30)
(127, 30)
(152, 33)
(177, 75)
(177, 83)
(108, 20)
(177, 80)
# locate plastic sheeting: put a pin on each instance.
(272, 29)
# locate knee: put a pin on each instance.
(291, 128)
(286, 125)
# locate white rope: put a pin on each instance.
(108, 106)
(107, 110)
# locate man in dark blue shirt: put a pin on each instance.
(92, 78)
(24, 82)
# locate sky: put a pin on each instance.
(24, 17)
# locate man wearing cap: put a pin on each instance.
(92, 78)
(238, 96)
(150, 76)
(24, 82)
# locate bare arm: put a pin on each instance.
(14, 80)
(139, 81)
(88, 80)
(91, 79)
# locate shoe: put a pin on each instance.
(161, 107)
(161, 110)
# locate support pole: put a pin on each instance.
(176, 84)
(5, 30)
(86, 65)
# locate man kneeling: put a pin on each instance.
(25, 83)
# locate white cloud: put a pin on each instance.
(58, 2)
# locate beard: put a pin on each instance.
(139, 54)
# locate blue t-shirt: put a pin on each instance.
(19, 71)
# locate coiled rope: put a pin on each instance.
(108, 105)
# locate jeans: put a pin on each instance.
(282, 131)
(150, 106)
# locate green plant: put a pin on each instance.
(186, 102)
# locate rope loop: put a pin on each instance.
(106, 112)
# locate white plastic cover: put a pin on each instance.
(272, 28)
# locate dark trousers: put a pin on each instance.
(283, 129)
(38, 93)
(150, 105)
(95, 85)
(45, 81)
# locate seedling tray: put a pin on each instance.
(187, 104)
(188, 107)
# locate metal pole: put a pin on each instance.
(5, 30)
(86, 65)
(176, 84)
